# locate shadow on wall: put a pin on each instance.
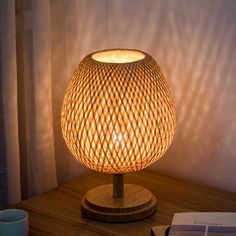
(198, 56)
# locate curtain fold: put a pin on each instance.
(9, 161)
(38, 166)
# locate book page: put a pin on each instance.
(203, 224)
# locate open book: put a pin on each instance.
(199, 224)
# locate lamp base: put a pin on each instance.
(99, 204)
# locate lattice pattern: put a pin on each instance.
(118, 117)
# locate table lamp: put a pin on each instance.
(118, 117)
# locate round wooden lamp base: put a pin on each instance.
(99, 204)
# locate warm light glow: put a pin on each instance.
(120, 117)
(118, 56)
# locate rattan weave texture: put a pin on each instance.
(118, 117)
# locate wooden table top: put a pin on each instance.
(57, 212)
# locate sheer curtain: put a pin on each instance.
(28, 153)
(9, 145)
(33, 155)
(41, 43)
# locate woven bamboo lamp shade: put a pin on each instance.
(117, 117)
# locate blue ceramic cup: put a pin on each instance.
(13, 222)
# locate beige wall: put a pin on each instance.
(194, 42)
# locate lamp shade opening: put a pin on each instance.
(118, 56)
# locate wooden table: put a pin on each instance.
(57, 212)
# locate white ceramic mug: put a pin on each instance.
(14, 222)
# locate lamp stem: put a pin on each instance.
(118, 185)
